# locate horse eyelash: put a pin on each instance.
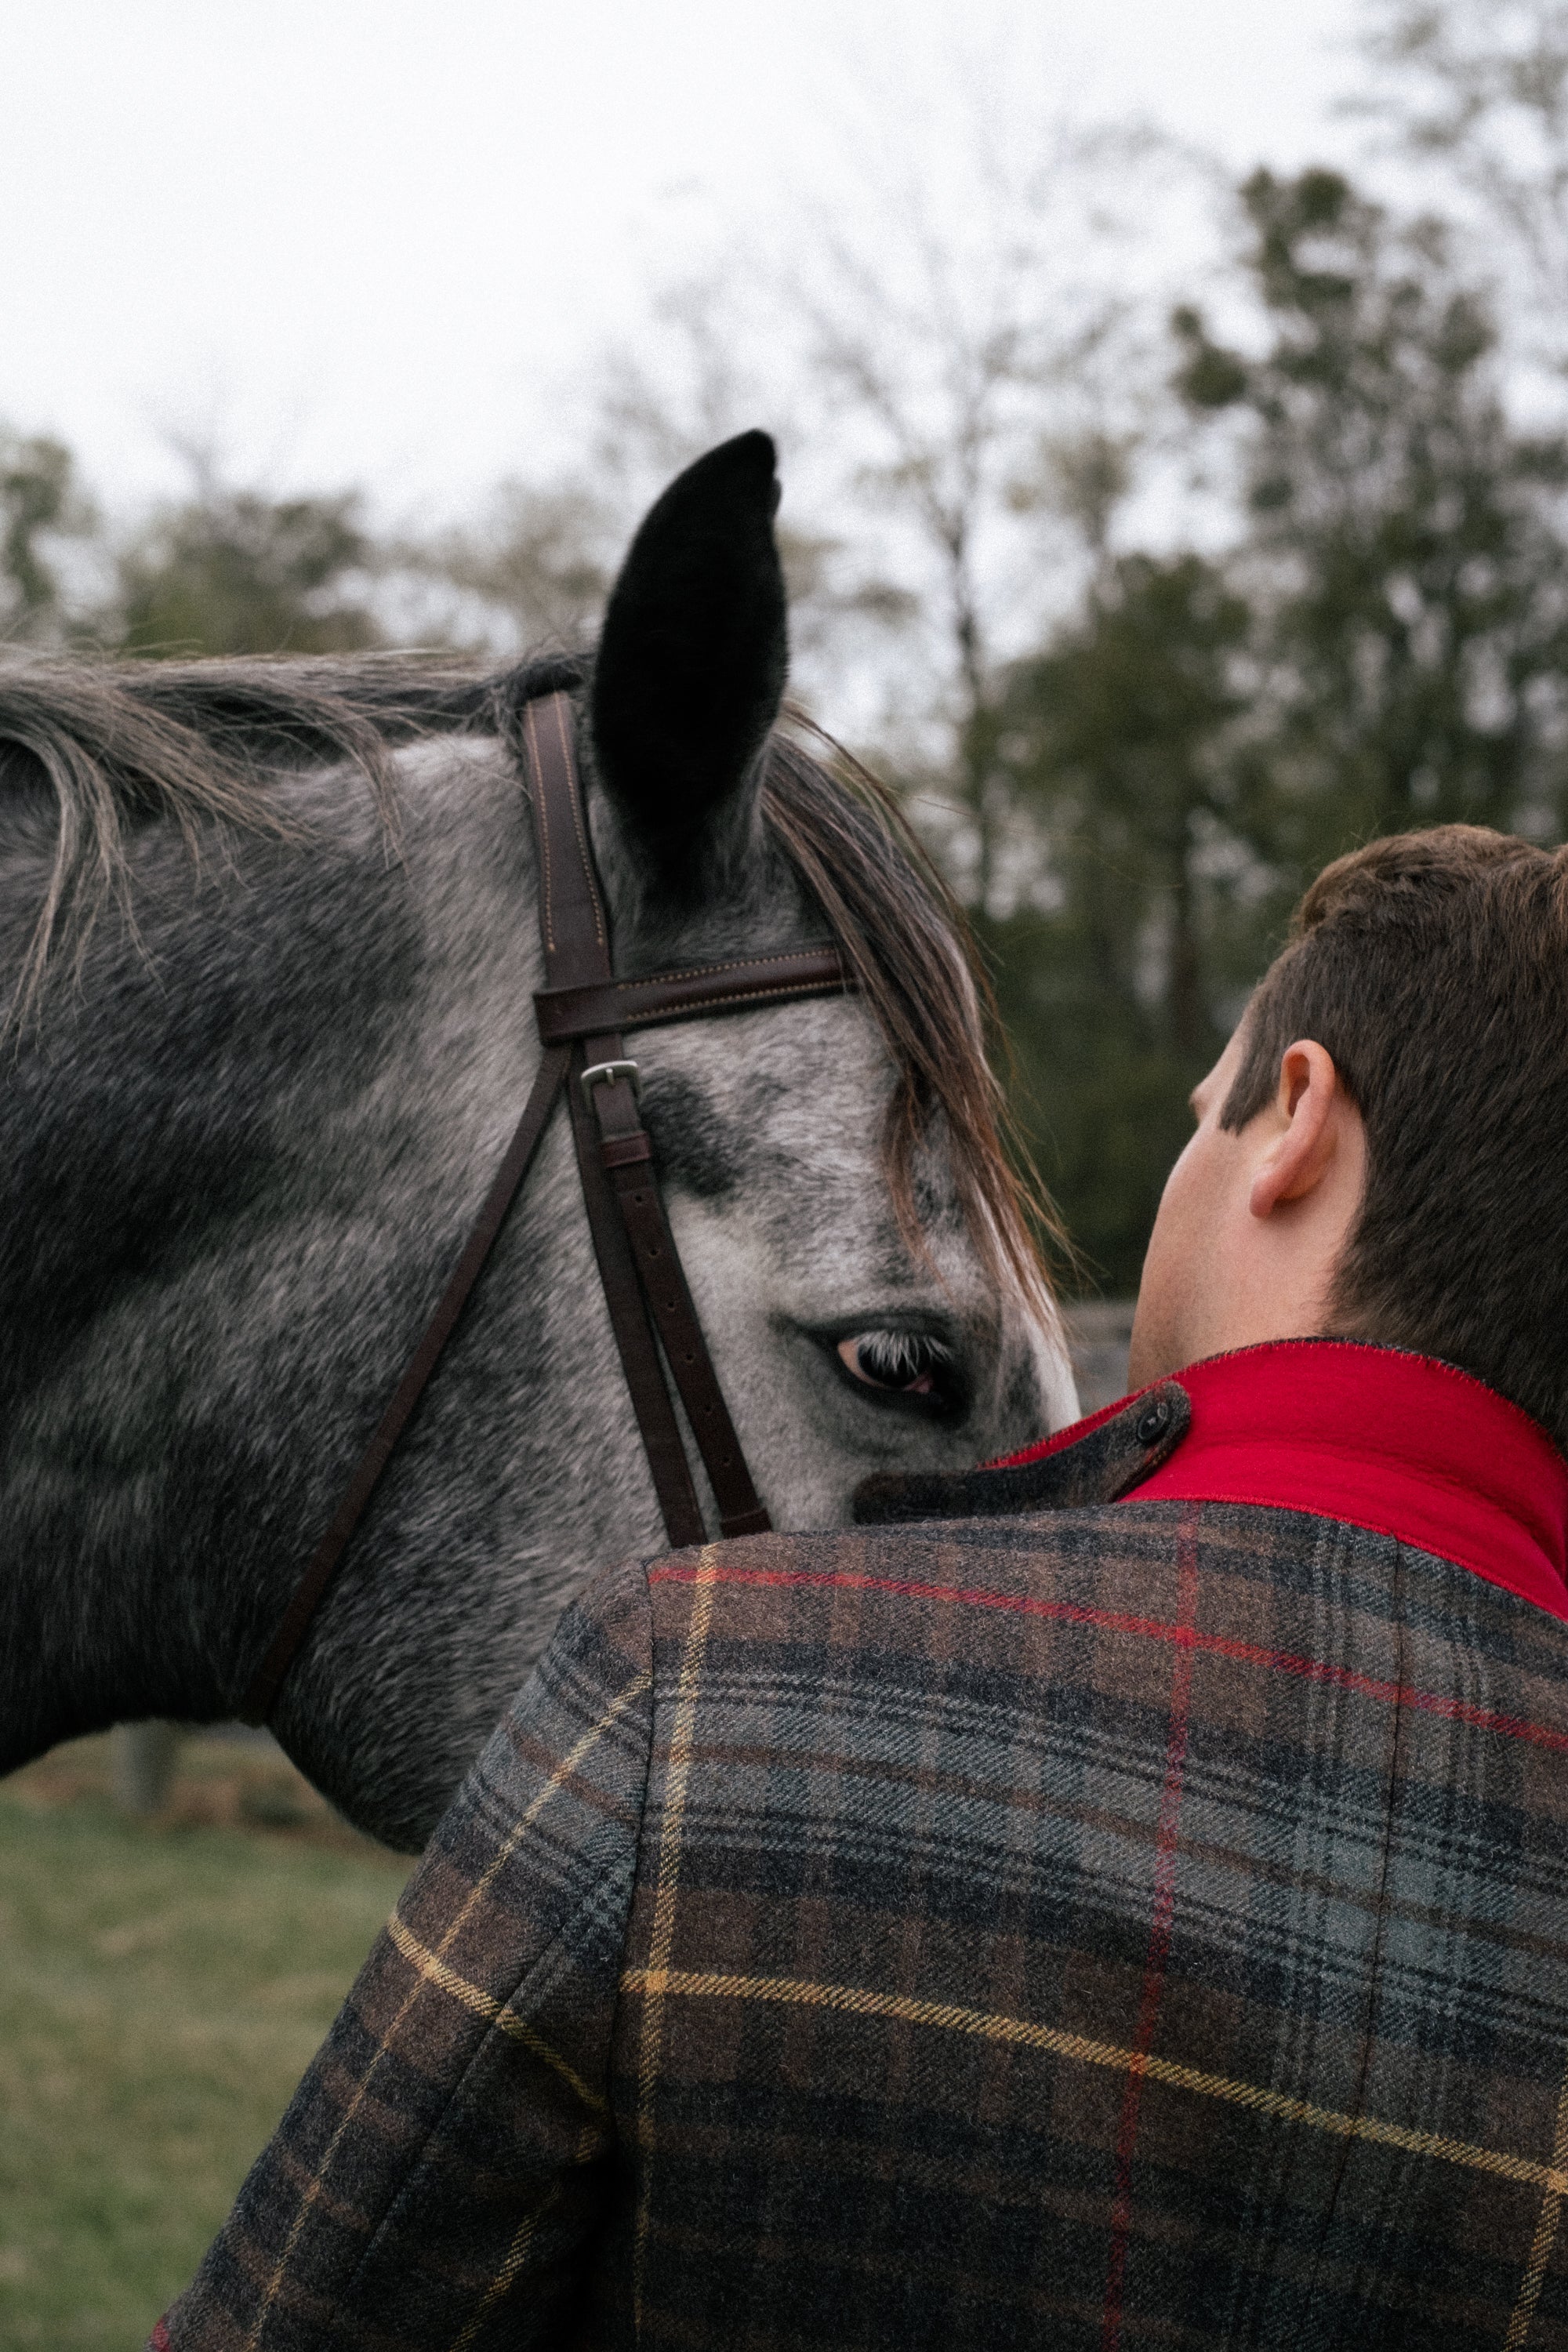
(904, 1355)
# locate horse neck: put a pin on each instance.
(202, 1290)
(244, 1152)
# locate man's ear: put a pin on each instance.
(1307, 1114)
(690, 667)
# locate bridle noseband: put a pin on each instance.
(584, 1013)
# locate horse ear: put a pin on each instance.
(690, 667)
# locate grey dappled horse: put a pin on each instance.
(271, 935)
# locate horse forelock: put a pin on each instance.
(915, 961)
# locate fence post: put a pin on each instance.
(142, 1756)
(1098, 1332)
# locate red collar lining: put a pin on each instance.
(1374, 1437)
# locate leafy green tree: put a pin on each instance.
(37, 498)
(1383, 645)
(1402, 539)
(1120, 737)
(232, 573)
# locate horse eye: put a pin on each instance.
(907, 1363)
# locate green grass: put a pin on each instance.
(162, 1988)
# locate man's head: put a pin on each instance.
(1381, 1150)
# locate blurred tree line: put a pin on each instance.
(1382, 644)
(1196, 595)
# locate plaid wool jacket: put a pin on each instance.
(1066, 1921)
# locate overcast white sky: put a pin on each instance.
(367, 240)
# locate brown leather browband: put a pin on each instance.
(584, 1012)
(571, 1012)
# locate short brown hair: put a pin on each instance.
(1434, 968)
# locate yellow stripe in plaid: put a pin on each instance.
(434, 1970)
(517, 2254)
(477, 1893)
(854, 2001)
(1523, 2314)
(663, 1936)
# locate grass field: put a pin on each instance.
(162, 1987)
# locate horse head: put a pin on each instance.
(273, 933)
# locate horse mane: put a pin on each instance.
(918, 965)
(117, 741)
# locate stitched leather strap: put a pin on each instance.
(645, 1278)
(268, 1679)
(741, 1512)
(693, 995)
(657, 1424)
(570, 912)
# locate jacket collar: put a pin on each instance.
(1092, 1461)
(1373, 1437)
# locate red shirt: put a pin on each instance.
(1381, 1439)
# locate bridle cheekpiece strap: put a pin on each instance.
(583, 1010)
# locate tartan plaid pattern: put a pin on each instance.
(1115, 1926)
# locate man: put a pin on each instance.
(1119, 1896)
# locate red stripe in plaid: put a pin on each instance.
(1157, 1629)
(1159, 1927)
(812, 2179)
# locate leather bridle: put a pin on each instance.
(584, 1013)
